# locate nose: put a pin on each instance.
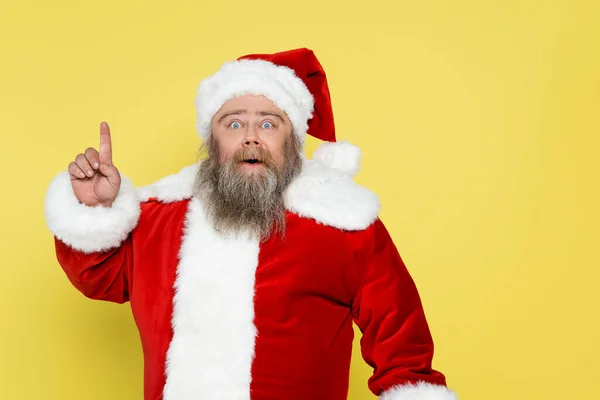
(251, 143)
(251, 138)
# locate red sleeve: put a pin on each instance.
(93, 244)
(100, 275)
(387, 308)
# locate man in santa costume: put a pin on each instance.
(246, 270)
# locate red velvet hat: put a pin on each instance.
(294, 80)
(307, 67)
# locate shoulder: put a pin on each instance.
(172, 188)
(169, 196)
(370, 239)
(331, 197)
(327, 193)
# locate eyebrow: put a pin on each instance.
(244, 112)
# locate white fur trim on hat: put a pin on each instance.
(237, 78)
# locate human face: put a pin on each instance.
(251, 122)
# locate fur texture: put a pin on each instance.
(341, 156)
(236, 78)
(419, 391)
(210, 356)
(90, 229)
(171, 188)
(331, 198)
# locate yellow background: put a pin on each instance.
(479, 125)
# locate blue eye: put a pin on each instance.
(235, 125)
(267, 125)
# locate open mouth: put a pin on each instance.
(252, 161)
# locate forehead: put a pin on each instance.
(251, 103)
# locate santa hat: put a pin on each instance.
(295, 82)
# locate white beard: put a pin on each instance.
(247, 204)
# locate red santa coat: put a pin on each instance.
(232, 318)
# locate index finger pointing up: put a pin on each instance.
(105, 144)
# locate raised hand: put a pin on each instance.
(94, 178)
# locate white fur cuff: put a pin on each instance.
(90, 229)
(420, 391)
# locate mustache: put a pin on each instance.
(254, 153)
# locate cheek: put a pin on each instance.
(276, 148)
(284, 142)
(225, 147)
(225, 155)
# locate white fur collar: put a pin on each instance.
(322, 191)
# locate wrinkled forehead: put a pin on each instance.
(251, 104)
